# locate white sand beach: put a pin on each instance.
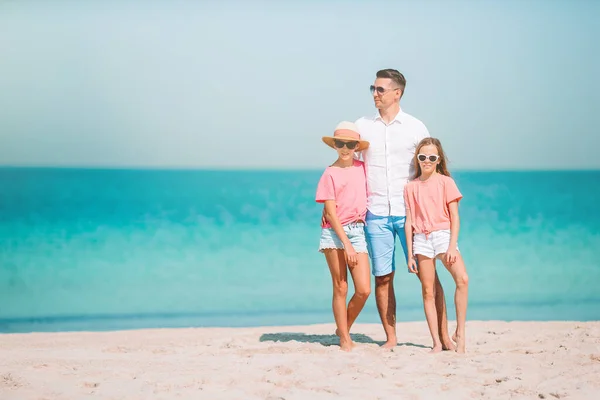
(504, 360)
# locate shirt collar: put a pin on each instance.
(400, 117)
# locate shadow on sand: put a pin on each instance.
(325, 340)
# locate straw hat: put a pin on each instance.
(346, 131)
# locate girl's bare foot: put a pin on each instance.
(460, 344)
(448, 345)
(346, 344)
(437, 348)
(454, 337)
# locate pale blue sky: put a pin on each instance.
(503, 84)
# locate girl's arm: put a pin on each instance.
(454, 223)
(452, 253)
(331, 216)
(408, 231)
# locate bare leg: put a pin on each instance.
(459, 273)
(442, 316)
(386, 305)
(336, 260)
(361, 276)
(427, 277)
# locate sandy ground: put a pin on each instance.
(504, 360)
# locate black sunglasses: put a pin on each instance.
(340, 143)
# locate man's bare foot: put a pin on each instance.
(390, 344)
(346, 344)
(436, 348)
(460, 345)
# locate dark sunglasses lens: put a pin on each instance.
(379, 89)
(433, 158)
(421, 157)
(350, 145)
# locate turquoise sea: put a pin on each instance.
(93, 249)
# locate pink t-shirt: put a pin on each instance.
(427, 202)
(348, 187)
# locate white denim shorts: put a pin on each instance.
(433, 245)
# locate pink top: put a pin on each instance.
(427, 202)
(348, 187)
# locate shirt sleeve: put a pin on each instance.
(406, 202)
(421, 132)
(359, 155)
(451, 191)
(325, 188)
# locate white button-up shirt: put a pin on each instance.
(388, 160)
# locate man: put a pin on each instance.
(393, 135)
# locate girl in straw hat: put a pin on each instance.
(343, 190)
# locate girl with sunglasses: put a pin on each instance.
(343, 190)
(432, 225)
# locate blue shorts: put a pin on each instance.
(355, 232)
(381, 241)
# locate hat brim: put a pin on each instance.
(330, 141)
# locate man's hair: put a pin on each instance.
(395, 76)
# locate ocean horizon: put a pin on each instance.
(90, 248)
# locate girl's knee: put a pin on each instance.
(363, 292)
(463, 280)
(340, 288)
(428, 292)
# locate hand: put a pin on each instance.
(412, 265)
(451, 255)
(351, 256)
(323, 219)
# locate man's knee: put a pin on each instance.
(384, 280)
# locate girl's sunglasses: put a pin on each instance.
(423, 157)
(340, 143)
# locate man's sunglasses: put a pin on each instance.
(423, 157)
(379, 89)
(340, 143)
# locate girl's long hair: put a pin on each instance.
(441, 167)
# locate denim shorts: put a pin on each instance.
(355, 232)
(381, 232)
